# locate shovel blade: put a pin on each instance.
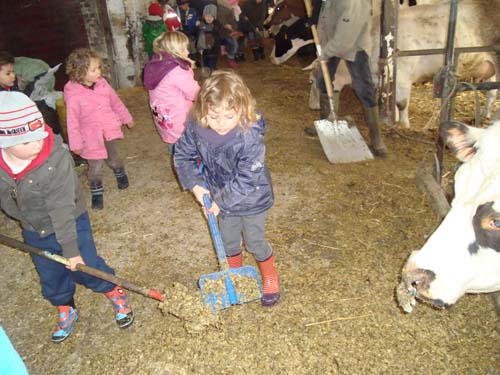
(223, 289)
(342, 143)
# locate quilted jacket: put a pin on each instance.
(93, 116)
(235, 171)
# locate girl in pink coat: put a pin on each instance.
(94, 117)
(169, 78)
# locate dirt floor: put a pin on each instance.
(341, 234)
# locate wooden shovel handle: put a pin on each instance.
(81, 267)
(323, 63)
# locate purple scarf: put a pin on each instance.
(159, 66)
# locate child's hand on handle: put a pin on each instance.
(213, 210)
(199, 192)
(130, 125)
(73, 262)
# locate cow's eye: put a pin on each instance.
(495, 224)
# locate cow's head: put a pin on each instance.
(283, 11)
(463, 254)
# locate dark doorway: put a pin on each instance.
(44, 29)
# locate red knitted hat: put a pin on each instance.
(155, 9)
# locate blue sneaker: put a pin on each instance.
(67, 319)
(124, 313)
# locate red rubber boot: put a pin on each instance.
(270, 282)
(235, 261)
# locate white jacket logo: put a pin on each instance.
(256, 165)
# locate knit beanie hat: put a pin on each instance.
(210, 10)
(20, 120)
(155, 9)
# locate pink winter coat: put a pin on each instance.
(171, 98)
(92, 117)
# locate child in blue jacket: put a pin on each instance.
(227, 135)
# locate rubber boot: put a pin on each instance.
(270, 282)
(97, 192)
(232, 64)
(373, 122)
(235, 261)
(256, 54)
(121, 178)
(324, 112)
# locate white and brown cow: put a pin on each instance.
(425, 27)
(463, 254)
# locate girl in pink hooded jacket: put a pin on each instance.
(94, 116)
(169, 78)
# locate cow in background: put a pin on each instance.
(285, 13)
(291, 40)
(425, 27)
(463, 254)
(287, 24)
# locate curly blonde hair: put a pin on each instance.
(226, 89)
(78, 63)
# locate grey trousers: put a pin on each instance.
(96, 167)
(252, 228)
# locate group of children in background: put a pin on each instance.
(215, 125)
(213, 27)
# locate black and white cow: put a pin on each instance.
(463, 254)
(292, 39)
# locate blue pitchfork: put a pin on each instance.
(226, 296)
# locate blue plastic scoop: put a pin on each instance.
(231, 286)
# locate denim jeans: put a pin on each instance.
(58, 282)
(231, 46)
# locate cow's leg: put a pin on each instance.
(365, 90)
(403, 102)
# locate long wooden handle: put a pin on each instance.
(82, 268)
(323, 63)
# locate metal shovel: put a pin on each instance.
(231, 286)
(341, 141)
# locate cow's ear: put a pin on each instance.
(460, 138)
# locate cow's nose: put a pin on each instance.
(419, 279)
